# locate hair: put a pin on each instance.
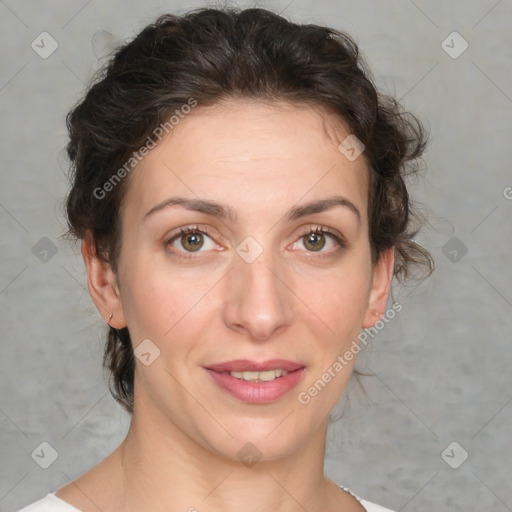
(212, 55)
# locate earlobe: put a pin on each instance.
(102, 285)
(381, 284)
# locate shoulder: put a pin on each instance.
(50, 503)
(372, 507)
(368, 505)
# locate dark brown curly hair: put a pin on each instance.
(211, 55)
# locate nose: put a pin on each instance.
(258, 300)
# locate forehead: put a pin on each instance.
(250, 154)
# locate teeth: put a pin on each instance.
(260, 376)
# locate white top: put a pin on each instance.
(51, 503)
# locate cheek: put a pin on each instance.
(343, 312)
(336, 303)
(158, 301)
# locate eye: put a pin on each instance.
(316, 239)
(191, 239)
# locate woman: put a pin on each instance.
(238, 187)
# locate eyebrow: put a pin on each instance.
(221, 211)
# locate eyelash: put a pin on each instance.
(309, 231)
(325, 231)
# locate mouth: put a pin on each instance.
(265, 376)
(257, 382)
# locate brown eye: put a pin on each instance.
(320, 241)
(192, 241)
(314, 241)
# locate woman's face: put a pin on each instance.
(247, 284)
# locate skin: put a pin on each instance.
(261, 160)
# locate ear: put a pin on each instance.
(381, 284)
(102, 284)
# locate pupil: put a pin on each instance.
(196, 241)
(316, 244)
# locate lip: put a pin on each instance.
(256, 392)
(240, 365)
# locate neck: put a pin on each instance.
(163, 468)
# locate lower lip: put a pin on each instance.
(257, 392)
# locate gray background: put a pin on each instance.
(443, 364)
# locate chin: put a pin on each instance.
(260, 439)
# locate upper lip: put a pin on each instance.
(240, 365)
